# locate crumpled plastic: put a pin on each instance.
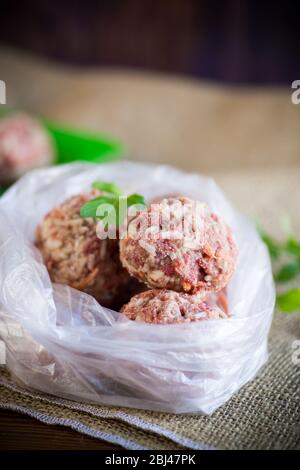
(62, 342)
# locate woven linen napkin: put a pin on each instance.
(265, 414)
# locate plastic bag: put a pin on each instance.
(61, 341)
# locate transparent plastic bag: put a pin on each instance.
(61, 341)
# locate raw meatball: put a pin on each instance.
(196, 253)
(24, 145)
(161, 306)
(74, 255)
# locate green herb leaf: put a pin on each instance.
(292, 246)
(89, 209)
(274, 247)
(107, 187)
(288, 272)
(110, 215)
(289, 301)
(115, 213)
(134, 199)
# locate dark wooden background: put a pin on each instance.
(235, 41)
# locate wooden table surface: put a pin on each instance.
(21, 432)
(245, 138)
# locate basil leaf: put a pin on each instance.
(135, 199)
(110, 214)
(292, 246)
(89, 209)
(132, 200)
(107, 187)
(275, 248)
(288, 272)
(289, 301)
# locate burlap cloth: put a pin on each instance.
(265, 414)
(249, 141)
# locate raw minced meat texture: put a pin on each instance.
(74, 255)
(196, 253)
(24, 145)
(161, 306)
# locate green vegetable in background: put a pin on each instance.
(73, 144)
(273, 247)
(288, 272)
(293, 247)
(286, 265)
(289, 301)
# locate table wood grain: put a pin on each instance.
(20, 432)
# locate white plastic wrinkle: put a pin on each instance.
(61, 341)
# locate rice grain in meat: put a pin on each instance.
(161, 306)
(74, 255)
(194, 252)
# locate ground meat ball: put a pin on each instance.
(74, 255)
(159, 199)
(200, 258)
(24, 145)
(161, 306)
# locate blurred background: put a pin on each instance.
(203, 85)
(232, 41)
